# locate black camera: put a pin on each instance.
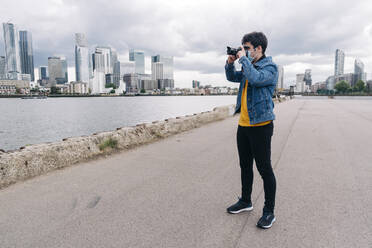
(233, 51)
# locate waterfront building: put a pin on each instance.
(57, 68)
(83, 64)
(26, 54)
(12, 55)
(139, 58)
(339, 62)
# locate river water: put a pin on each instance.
(33, 121)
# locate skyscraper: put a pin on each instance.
(195, 84)
(82, 59)
(339, 62)
(13, 61)
(113, 57)
(359, 73)
(300, 82)
(167, 65)
(26, 53)
(2, 67)
(358, 66)
(280, 83)
(100, 67)
(105, 64)
(307, 77)
(157, 70)
(43, 72)
(115, 63)
(116, 73)
(162, 70)
(57, 67)
(139, 58)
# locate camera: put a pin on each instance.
(233, 51)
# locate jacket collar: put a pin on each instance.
(263, 61)
(262, 57)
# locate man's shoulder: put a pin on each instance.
(267, 61)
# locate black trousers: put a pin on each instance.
(255, 143)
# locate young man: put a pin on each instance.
(257, 79)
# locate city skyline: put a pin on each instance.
(199, 50)
(108, 63)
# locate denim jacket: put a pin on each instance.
(262, 78)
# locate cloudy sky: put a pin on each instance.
(302, 34)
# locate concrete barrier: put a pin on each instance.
(38, 159)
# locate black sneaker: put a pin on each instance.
(266, 221)
(240, 206)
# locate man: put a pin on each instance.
(257, 78)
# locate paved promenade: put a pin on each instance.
(174, 193)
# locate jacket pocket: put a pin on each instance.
(260, 107)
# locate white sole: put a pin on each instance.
(241, 210)
(266, 227)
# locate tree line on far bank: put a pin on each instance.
(343, 87)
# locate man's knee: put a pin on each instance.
(265, 169)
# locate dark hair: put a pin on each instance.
(256, 39)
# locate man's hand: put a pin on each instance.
(231, 59)
(241, 53)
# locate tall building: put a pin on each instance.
(157, 70)
(307, 77)
(2, 67)
(116, 73)
(167, 65)
(131, 82)
(43, 72)
(57, 68)
(195, 84)
(162, 70)
(113, 57)
(358, 66)
(359, 73)
(115, 66)
(100, 67)
(339, 62)
(26, 53)
(280, 83)
(83, 69)
(300, 83)
(105, 62)
(139, 58)
(13, 61)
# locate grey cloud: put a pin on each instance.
(175, 28)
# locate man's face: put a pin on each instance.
(255, 53)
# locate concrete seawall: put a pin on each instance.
(34, 160)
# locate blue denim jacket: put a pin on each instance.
(262, 78)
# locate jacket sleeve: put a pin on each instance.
(231, 74)
(262, 78)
